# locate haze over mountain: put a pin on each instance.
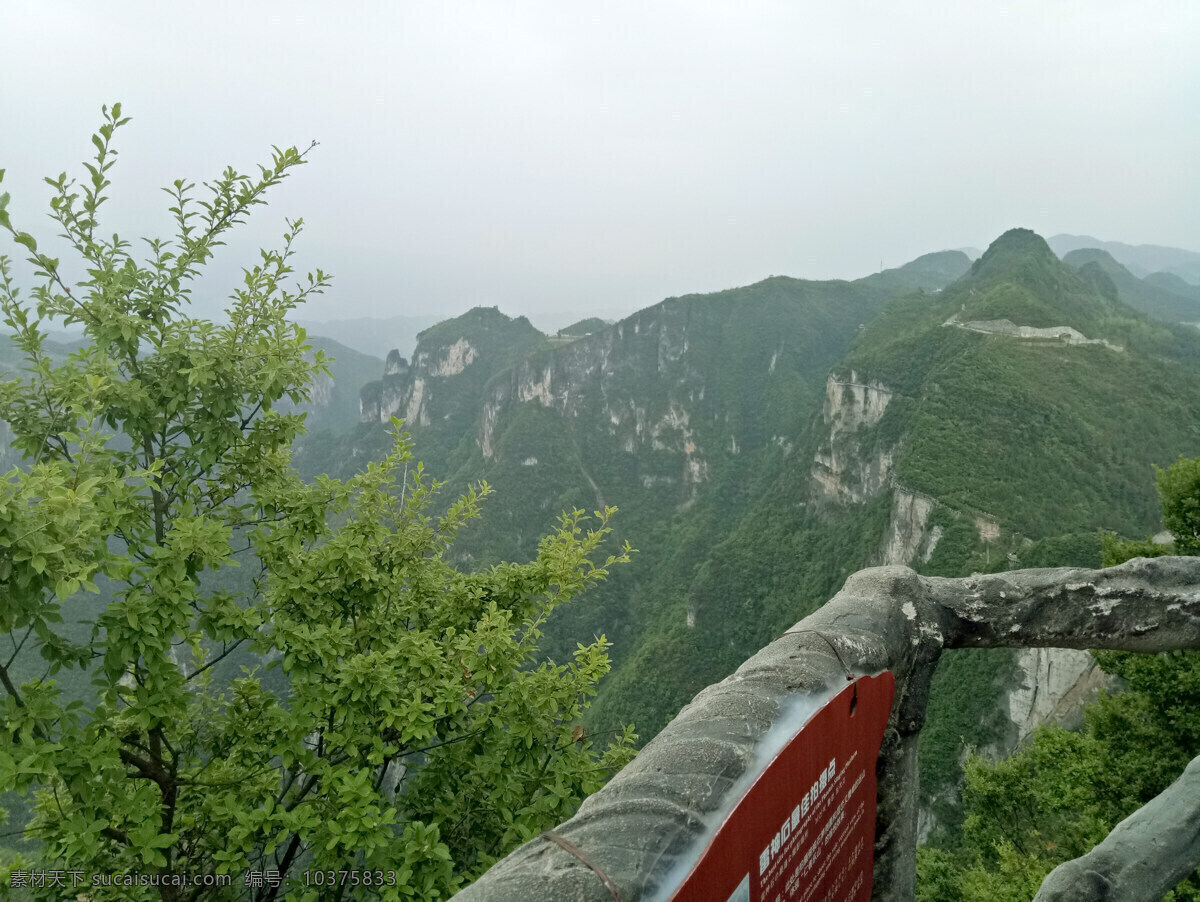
(1163, 274)
(372, 335)
(1140, 259)
(764, 442)
(1172, 304)
(543, 156)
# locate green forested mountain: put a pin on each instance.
(1151, 295)
(438, 392)
(674, 415)
(1172, 283)
(764, 442)
(980, 428)
(1140, 259)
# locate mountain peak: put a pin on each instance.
(1019, 278)
(949, 263)
(1077, 258)
(1015, 245)
(1020, 257)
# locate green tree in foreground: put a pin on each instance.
(416, 734)
(1063, 792)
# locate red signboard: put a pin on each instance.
(805, 829)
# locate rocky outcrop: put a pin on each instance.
(1052, 683)
(369, 402)
(451, 363)
(844, 470)
(395, 365)
(320, 391)
(1051, 686)
(629, 385)
(381, 400)
(907, 538)
(403, 391)
(445, 361)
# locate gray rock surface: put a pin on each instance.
(886, 618)
(1146, 854)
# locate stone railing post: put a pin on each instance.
(625, 839)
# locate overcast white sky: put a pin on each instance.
(608, 154)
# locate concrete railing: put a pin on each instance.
(627, 841)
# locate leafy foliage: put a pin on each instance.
(395, 715)
(1045, 442)
(1063, 792)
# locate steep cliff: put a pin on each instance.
(765, 442)
(438, 392)
(1020, 399)
(849, 467)
(331, 405)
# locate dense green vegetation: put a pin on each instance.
(762, 444)
(738, 376)
(1043, 442)
(396, 720)
(1064, 791)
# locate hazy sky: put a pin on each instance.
(609, 154)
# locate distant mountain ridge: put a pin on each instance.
(1140, 259)
(373, 335)
(1179, 303)
(764, 442)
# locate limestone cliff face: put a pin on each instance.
(1051, 686)
(369, 402)
(630, 386)
(844, 470)
(851, 466)
(452, 362)
(908, 540)
(321, 391)
(403, 392)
